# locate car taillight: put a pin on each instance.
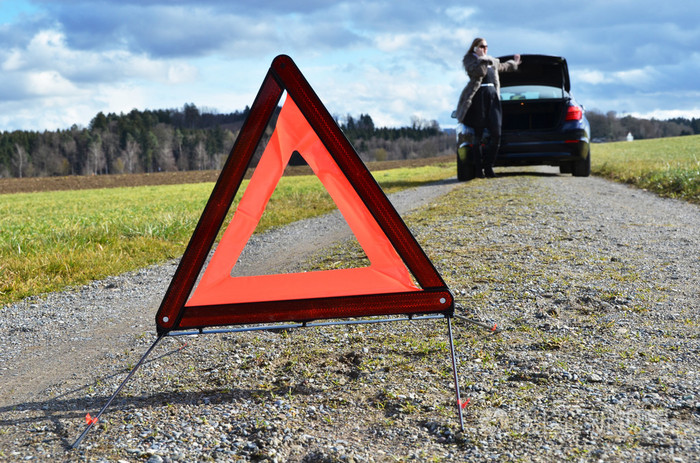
(574, 113)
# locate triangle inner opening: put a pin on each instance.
(304, 245)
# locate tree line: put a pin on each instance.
(188, 138)
(140, 141)
(610, 127)
(422, 139)
(181, 139)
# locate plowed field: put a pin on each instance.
(75, 182)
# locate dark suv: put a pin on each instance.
(542, 123)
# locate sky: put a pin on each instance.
(62, 62)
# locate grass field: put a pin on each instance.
(57, 239)
(667, 166)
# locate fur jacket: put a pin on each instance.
(476, 68)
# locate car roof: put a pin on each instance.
(537, 70)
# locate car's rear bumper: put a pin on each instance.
(541, 152)
(555, 148)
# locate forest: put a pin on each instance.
(609, 127)
(188, 138)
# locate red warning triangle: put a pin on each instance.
(384, 287)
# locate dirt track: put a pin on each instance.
(595, 284)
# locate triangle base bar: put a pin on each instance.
(300, 310)
(289, 326)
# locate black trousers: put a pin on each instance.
(485, 156)
(485, 113)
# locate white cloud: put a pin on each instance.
(640, 78)
(120, 98)
(13, 61)
(461, 14)
(392, 42)
(593, 77)
(66, 86)
(662, 114)
(180, 73)
(389, 101)
(48, 83)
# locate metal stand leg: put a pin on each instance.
(493, 329)
(454, 371)
(128, 377)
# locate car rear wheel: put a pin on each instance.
(465, 164)
(582, 168)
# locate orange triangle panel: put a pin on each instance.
(387, 272)
(384, 287)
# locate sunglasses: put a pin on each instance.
(483, 46)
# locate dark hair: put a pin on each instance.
(477, 41)
(470, 52)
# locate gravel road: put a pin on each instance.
(596, 287)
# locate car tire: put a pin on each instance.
(465, 165)
(582, 168)
(566, 168)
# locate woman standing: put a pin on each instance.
(479, 104)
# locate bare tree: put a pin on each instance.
(110, 146)
(164, 150)
(131, 154)
(200, 155)
(178, 150)
(96, 156)
(20, 159)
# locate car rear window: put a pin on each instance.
(530, 92)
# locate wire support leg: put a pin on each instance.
(493, 328)
(454, 372)
(114, 395)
